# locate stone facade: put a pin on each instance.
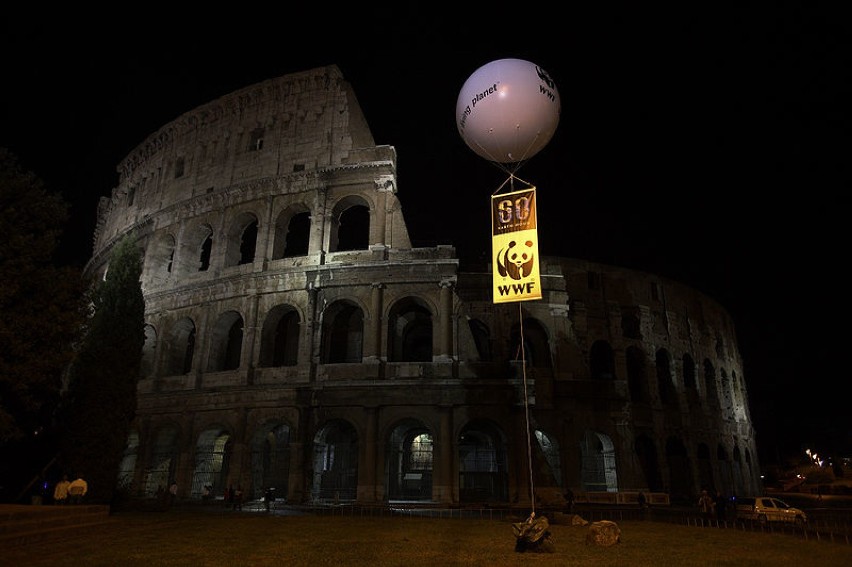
(297, 341)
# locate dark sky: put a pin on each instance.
(705, 144)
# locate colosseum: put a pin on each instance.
(297, 341)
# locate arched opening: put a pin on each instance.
(636, 379)
(665, 386)
(597, 454)
(536, 346)
(279, 342)
(410, 332)
(343, 333)
(680, 471)
(127, 467)
(482, 339)
(270, 460)
(335, 477)
(482, 464)
(149, 353)
(705, 468)
(292, 233)
(180, 348)
(212, 454)
(353, 232)
(226, 343)
(242, 240)
(601, 361)
(162, 462)
(549, 472)
(646, 452)
(409, 462)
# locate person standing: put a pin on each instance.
(238, 498)
(569, 501)
(60, 491)
(269, 498)
(705, 504)
(77, 490)
(173, 489)
(643, 504)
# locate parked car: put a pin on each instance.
(765, 509)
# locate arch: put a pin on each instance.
(241, 243)
(149, 353)
(270, 460)
(549, 449)
(292, 232)
(350, 224)
(279, 338)
(601, 361)
(749, 473)
(160, 259)
(481, 339)
(410, 331)
(726, 390)
(597, 463)
(665, 386)
(680, 471)
(226, 343)
(482, 463)
(162, 461)
(536, 352)
(180, 348)
(335, 475)
(409, 462)
(710, 384)
(342, 333)
(690, 385)
(636, 379)
(630, 324)
(725, 473)
(705, 468)
(212, 456)
(646, 452)
(737, 472)
(196, 249)
(127, 467)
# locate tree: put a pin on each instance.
(101, 399)
(42, 308)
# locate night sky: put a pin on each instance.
(704, 144)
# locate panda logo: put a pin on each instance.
(516, 261)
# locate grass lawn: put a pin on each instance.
(197, 539)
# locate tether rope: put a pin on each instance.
(527, 411)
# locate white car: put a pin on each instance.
(765, 509)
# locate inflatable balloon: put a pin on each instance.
(508, 110)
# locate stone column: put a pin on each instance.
(444, 346)
(373, 342)
(367, 473)
(444, 487)
(247, 352)
(319, 237)
(378, 224)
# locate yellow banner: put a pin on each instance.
(514, 246)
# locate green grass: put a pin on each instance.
(198, 539)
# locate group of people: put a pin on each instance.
(70, 492)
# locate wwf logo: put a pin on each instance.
(516, 261)
(542, 74)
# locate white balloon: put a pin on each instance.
(508, 110)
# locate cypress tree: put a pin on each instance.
(101, 399)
